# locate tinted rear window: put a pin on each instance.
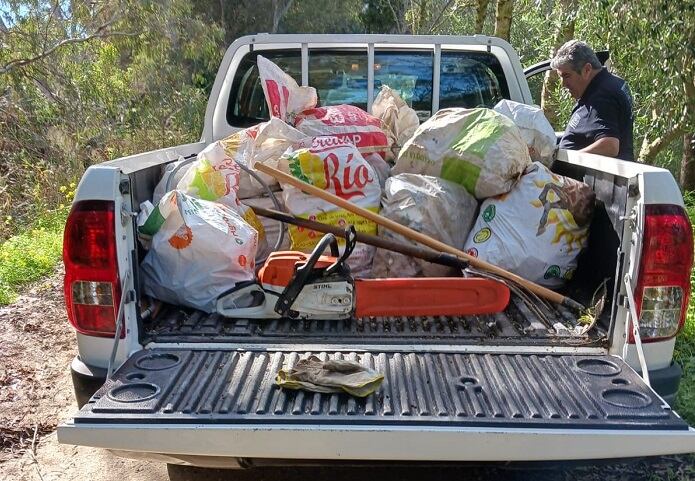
(467, 79)
(471, 79)
(247, 104)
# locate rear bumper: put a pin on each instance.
(666, 381)
(425, 443)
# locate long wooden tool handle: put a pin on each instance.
(540, 291)
(429, 255)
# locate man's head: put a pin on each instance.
(576, 64)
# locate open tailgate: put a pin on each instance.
(437, 406)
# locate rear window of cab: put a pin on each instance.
(467, 79)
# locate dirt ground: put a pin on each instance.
(36, 346)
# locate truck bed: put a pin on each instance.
(517, 324)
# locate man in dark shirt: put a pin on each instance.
(601, 121)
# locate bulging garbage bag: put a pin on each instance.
(399, 120)
(215, 176)
(336, 166)
(478, 148)
(432, 206)
(199, 250)
(348, 123)
(538, 229)
(284, 96)
(535, 129)
(264, 143)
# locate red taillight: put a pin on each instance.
(663, 285)
(92, 287)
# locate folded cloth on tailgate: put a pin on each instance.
(316, 375)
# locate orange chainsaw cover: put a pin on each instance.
(429, 296)
(280, 266)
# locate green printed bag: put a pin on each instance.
(538, 229)
(479, 149)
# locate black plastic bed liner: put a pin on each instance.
(440, 389)
(515, 325)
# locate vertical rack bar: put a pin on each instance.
(305, 64)
(436, 69)
(370, 76)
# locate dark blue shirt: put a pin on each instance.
(604, 110)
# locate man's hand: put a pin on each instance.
(609, 146)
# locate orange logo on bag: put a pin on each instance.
(182, 238)
(242, 260)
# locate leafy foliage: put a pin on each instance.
(140, 82)
(684, 352)
(31, 255)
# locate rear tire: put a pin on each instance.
(180, 472)
(86, 380)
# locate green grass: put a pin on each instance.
(685, 343)
(32, 254)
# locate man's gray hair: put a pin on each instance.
(575, 54)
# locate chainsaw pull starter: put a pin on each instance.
(307, 272)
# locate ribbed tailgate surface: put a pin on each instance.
(447, 389)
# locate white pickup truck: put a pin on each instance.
(186, 387)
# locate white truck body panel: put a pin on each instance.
(372, 443)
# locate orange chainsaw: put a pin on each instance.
(316, 286)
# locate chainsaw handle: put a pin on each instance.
(245, 300)
(302, 274)
(350, 242)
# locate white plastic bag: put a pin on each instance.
(538, 229)
(336, 166)
(477, 148)
(264, 143)
(398, 119)
(199, 250)
(284, 96)
(534, 127)
(432, 206)
(215, 176)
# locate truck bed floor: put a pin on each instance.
(516, 325)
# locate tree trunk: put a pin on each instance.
(649, 150)
(688, 163)
(503, 18)
(480, 14)
(566, 13)
(280, 8)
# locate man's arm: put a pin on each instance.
(609, 146)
